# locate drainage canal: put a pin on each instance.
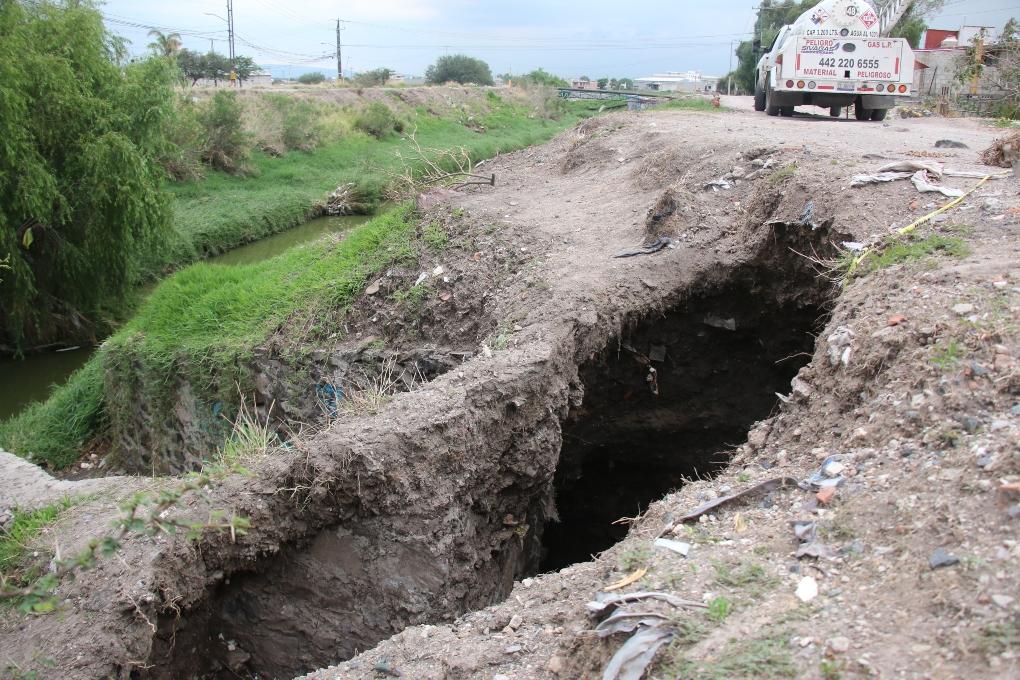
(667, 402)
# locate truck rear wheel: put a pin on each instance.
(786, 111)
(878, 114)
(770, 108)
(759, 97)
(835, 111)
(861, 113)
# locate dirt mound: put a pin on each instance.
(1004, 151)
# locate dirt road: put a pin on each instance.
(598, 384)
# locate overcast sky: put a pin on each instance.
(594, 38)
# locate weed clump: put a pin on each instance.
(378, 121)
(226, 143)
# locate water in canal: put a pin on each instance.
(30, 379)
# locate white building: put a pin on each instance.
(678, 81)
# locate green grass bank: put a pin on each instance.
(204, 319)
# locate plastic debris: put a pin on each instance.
(719, 322)
(605, 603)
(678, 547)
(717, 184)
(654, 247)
(637, 653)
(627, 622)
(877, 178)
(926, 186)
(807, 589)
(829, 474)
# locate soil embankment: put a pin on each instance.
(595, 385)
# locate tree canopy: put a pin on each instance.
(311, 78)
(537, 77)
(375, 78)
(165, 44)
(459, 68)
(80, 193)
(213, 66)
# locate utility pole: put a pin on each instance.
(230, 38)
(339, 56)
(729, 76)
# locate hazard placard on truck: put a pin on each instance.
(874, 59)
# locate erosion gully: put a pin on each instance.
(665, 399)
(31, 378)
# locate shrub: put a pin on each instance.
(226, 143)
(374, 78)
(313, 78)
(459, 68)
(183, 158)
(377, 120)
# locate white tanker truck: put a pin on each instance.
(834, 56)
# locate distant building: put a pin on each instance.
(678, 81)
(939, 57)
(585, 85)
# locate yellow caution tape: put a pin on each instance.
(914, 225)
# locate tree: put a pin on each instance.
(585, 79)
(539, 77)
(603, 83)
(165, 44)
(459, 68)
(312, 78)
(911, 26)
(192, 65)
(374, 78)
(245, 67)
(995, 67)
(625, 84)
(217, 67)
(81, 197)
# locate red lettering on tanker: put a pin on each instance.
(818, 72)
(874, 75)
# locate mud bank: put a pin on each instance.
(531, 476)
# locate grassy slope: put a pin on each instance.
(222, 211)
(211, 312)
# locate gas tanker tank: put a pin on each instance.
(839, 18)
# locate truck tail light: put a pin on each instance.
(880, 87)
(903, 88)
(800, 84)
(811, 84)
(789, 83)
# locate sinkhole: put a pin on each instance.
(668, 401)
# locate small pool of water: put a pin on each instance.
(23, 381)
